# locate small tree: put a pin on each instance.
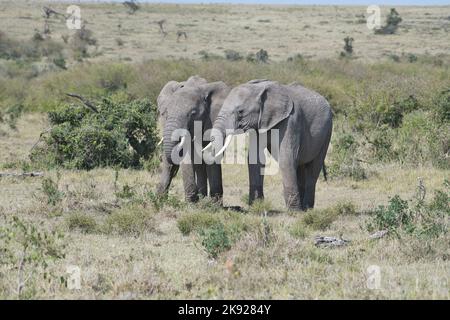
(392, 22)
(132, 6)
(348, 47)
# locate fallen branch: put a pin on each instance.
(330, 241)
(23, 174)
(378, 235)
(86, 102)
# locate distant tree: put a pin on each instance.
(392, 22)
(348, 47)
(132, 6)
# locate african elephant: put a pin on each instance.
(303, 120)
(180, 104)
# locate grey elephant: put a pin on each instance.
(303, 119)
(180, 104)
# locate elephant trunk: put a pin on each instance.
(221, 133)
(168, 143)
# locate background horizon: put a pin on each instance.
(288, 2)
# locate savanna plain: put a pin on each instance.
(78, 203)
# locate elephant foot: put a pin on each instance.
(293, 202)
(193, 198)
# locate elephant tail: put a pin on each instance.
(324, 171)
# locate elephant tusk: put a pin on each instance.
(181, 144)
(207, 147)
(225, 145)
(160, 142)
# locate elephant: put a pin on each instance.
(303, 120)
(180, 104)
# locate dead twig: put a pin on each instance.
(23, 174)
(86, 102)
(330, 241)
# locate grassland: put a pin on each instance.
(313, 31)
(151, 258)
(130, 245)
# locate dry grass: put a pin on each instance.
(313, 31)
(144, 254)
(127, 247)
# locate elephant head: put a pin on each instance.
(194, 100)
(258, 105)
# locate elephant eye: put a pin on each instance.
(194, 112)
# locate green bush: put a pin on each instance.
(119, 134)
(299, 230)
(51, 191)
(345, 162)
(414, 217)
(392, 22)
(129, 221)
(232, 55)
(81, 221)
(190, 222)
(320, 219)
(29, 249)
(421, 140)
(215, 240)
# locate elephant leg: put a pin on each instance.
(291, 191)
(301, 183)
(168, 173)
(189, 183)
(312, 172)
(201, 179)
(255, 169)
(214, 172)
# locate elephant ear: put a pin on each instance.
(275, 106)
(214, 94)
(165, 95)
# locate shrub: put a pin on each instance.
(215, 240)
(422, 140)
(344, 158)
(299, 230)
(190, 222)
(262, 56)
(30, 50)
(160, 201)
(345, 208)
(12, 115)
(232, 55)
(80, 42)
(130, 221)
(260, 207)
(30, 250)
(392, 22)
(319, 219)
(119, 134)
(413, 217)
(442, 107)
(51, 191)
(348, 47)
(81, 221)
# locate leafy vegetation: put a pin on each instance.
(29, 250)
(414, 217)
(114, 134)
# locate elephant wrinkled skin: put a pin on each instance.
(179, 105)
(303, 119)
